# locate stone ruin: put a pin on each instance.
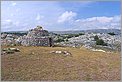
(37, 37)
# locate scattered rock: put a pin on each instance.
(32, 53)
(98, 50)
(14, 49)
(65, 53)
(3, 53)
(9, 51)
(58, 52)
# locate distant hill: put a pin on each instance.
(18, 33)
(116, 31)
(67, 32)
(15, 32)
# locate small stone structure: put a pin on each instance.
(37, 37)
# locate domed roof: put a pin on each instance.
(39, 28)
(37, 32)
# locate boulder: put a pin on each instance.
(98, 50)
(14, 49)
(65, 53)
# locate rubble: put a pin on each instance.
(14, 49)
(65, 53)
(8, 39)
(98, 50)
(87, 40)
(9, 51)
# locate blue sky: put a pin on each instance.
(63, 15)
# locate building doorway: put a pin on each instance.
(50, 42)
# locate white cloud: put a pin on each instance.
(87, 3)
(17, 23)
(39, 17)
(13, 3)
(66, 16)
(62, 18)
(17, 9)
(10, 25)
(8, 20)
(73, 24)
(98, 23)
(11, 14)
(99, 19)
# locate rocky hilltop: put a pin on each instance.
(40, 37)
(112, 42)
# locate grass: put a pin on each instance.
(37, 63)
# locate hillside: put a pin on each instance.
(37, 63)
(116, 31)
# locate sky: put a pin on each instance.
(60, 15)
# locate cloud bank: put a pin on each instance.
(56, 16)
(66, 16)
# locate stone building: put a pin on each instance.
(37, 37)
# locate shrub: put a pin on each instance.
(111, 33)
(16, 50)
(101, 42)
(66, 40)
(9, 52)
(81, 33)
(96, 38)
(76, 35)
(70, 36)
(4, 49)
(59, 40)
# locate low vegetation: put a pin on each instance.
(9, 50)
(99, 41)
(16, 33)
(112, 33)
(73, 35)
(65, 37)
(37, 63)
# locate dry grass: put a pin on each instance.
(37, 63)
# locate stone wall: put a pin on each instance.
(42, 41)
(37, 37)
